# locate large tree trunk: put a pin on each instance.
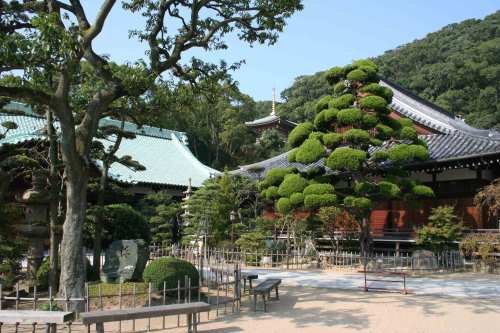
(72, 279)
(96, 262)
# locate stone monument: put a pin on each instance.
(125, 260)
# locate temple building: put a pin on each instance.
(462, 160)
(170, 165)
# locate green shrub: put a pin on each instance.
(292, 184)
(389, 190)
(406, 153)
(405, 122)
(361, 204)
(315, 201)
(371, 73)
(345, 158)
(339, 88)
(381, 155)
(384, 132)
(349, 116)
(330, 115)
(357, 75)
(284, 205)
(299, 134)
(169, 271)
(316, 136)
(375, 142)
(297, 199)
(319, 120)
(334, 74)
(365, 63)
(342, 102)
(271, 193)
(252, 241)
(357, 136)
(291, 155)
(370, 121)
(408, 133)
(377, 89)
(310, 151)
(48, 307)
(322, 103)
(423, 191)
(275, 176)
(364, 187)
(332, 140)
(42, 274)
(376, 103)
(319, 189)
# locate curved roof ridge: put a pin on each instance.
(187, 153)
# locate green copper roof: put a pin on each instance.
(164, 153)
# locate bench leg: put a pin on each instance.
(265, 303)
(51, 328)
(190, 322)
(195, 323)
(277, 294)
(99, 327)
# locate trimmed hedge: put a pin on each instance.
(169, 271)
(316, 136)
(292, 184)
(315, 201)
(284, 205)
(339, 88)
(369, 121)
(357, 136)
(388, 190)
(376, 103)
(322, 103)
(299, 134)
(291, 155)
(381, 155)
(384, 132)
(345, 158)
(334, 74)
(408, 133)
(310, 151)
(357, 75)
(349, 116)
(271, 193)
(377, 89)
(297, 199)
(423, 191)
(319, 189)
(332, 140)
(365, 63)
(276, 176)
(361, 204)
(342, 102)
(406, 153)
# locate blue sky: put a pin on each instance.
(325, 34)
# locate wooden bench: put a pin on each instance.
(248, 277)
(190, 309)
(23, 317)
(264, 288)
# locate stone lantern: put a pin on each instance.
(34, 227)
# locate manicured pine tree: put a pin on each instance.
(354, 144)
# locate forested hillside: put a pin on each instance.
(457, 67)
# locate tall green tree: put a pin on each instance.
(163, 214)
(49, 39)
(347, 126)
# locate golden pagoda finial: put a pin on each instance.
(273, 111)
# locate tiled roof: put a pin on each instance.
(271, 119)
(164, 153)
(442, 148)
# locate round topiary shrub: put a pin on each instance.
(319, 189)
(319, 120)
(332, 140)
(388, 190)
(408, 133)
(349, 116)
(342, 102)
(357, 136)
(292, 184)
(271, 193)
(406, 153)
(339, 88)
(316, 136)
(357, 75)
(322, 103)
(345, 158)
(169, 271)
(291, 156)
(330, 115)
(377, 89)
(384, 132)
(297, 199)
(334, 74)
(364, 63)
(361, 204)
(275, 176)
(370, 121)
(376, 103)
(422, 191)
(284, 205)
(310, 151)
(299, 134)
(315, 201)
(381, 155)
(405, 122)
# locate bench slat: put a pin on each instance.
(266, 285)
(39, 317)
(140, 313)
